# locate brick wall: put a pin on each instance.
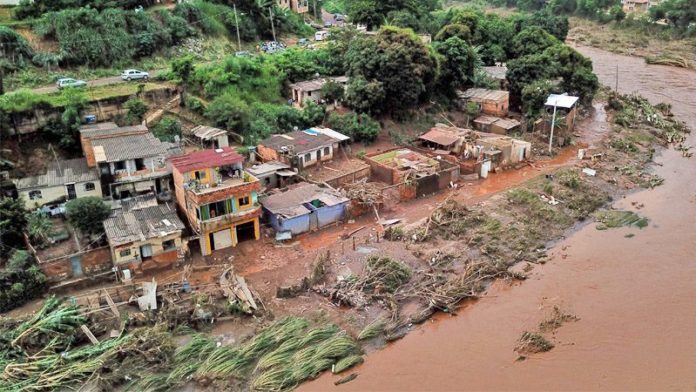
(93, 262)
(266, 154)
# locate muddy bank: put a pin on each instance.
(633, 295)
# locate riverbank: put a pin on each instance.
(631, 289)
(656, 47)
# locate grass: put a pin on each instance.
(613, 219)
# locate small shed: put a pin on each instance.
(497, 73)
(211, 137)
(497, 125)
(493, 102)
(273, 174)
(565, 107)
(304, 207)
(310, 90)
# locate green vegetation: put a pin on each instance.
(613, 219)
(167, 129)
(136, 110)
(87, 214)
(13, 221)
(20, 281)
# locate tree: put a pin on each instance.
(183, 68)
(401, 64)
(359, 127)
(40, 227)
(167, 129)
(228, 111)
(532, 40)
(87, 214)
(136, 110)
(313, 114)
(458, 65)
(364, 96)
(332, 91)
(454, 30)
(617, 13)
(20, 281)
(13, 222)
(534, 97)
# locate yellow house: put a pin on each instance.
(64, 180)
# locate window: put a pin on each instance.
(89, 186)
(120, 165)
(309, 93)
(198, 214)
(200, 175)
(244, 201)
(33, 195)
(307, 157)
(125, 253)
(168, 245)
(140, 164)
(326, 151)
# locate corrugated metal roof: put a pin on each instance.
(139, 225)
(331, 133)
(317, 84)
(299, 141)
(290, 203)
(268, 167)
(483, 94)
(498, 73)
(206, 159)
(109, 129)
(439, 136)
(562, 101)
(121, 148)
(207, 133)
(60, 173)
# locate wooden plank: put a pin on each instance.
(89, 334)
(111, 303)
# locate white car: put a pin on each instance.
(134, 74)
(321, 35)
(70, 82)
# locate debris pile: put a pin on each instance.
(382, 278)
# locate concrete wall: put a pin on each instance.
(51, 194)
(328, 215)
(296, 225)
(349, 178)
(302, 158)
(134, 248)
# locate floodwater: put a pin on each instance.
(634, 296)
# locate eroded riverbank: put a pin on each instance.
(633, 295)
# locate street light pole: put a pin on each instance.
(236, 22)
(553, 125)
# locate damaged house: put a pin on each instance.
(273, 174)
(493, 102)
(64, 180)
(304, 207)
(415, 173)
(145, 238)
(131, 160)
(300, 149)
(218, 197)
(476, 152)
(310, 90)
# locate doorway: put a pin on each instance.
(72, 194)
(246, 231)
(146, 252)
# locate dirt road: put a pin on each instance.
(634, 296)
(94, 83)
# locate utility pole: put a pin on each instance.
(2, 70)
(553, 125)
(617, 79)
(236, 22)
(315, 9)
(270, 15)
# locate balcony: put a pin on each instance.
(222, 180)
(226, 220)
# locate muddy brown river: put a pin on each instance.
(635, 297)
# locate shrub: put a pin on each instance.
(167, 129)
(87, 214)
(136, 110)
(21, 281)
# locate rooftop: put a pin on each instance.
(60, 173)
(206, 159)
(440, 136)
(292, 202)
(507, 123)
(562, 101)
(330, 133)
(142, 224)
(207, 133)
(268, 167)
(483, 94)
(403, 159)
(495, 72)
(121, 148)
(317, 84)
(109, 129)
(299, 141)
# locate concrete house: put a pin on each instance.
(131, 160)
(298, 6)
(218, 197)
(493, 102)
(637, 6)
(310, 90)
(145, 238)
(64, 180)
(493, 124)
(299, 149)
(210, 137)
(304, 207)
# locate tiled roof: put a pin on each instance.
(299, 141)
(139, 225)
(206, 159)
(109, 129)
(126, 147)
(440, 136)
(60, 173)
(483, 94)
(268, 167)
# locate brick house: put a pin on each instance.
(131, 160)
(218, 197)
(301, 149)
(145, 238)
(493, 102)
(298, 6)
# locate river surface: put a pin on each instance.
(635, 297)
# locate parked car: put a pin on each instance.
(340, 18)
(134, 74)
(303, 42)
(52, 209)
(70, 82)
(321, 35)
(328, 23)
